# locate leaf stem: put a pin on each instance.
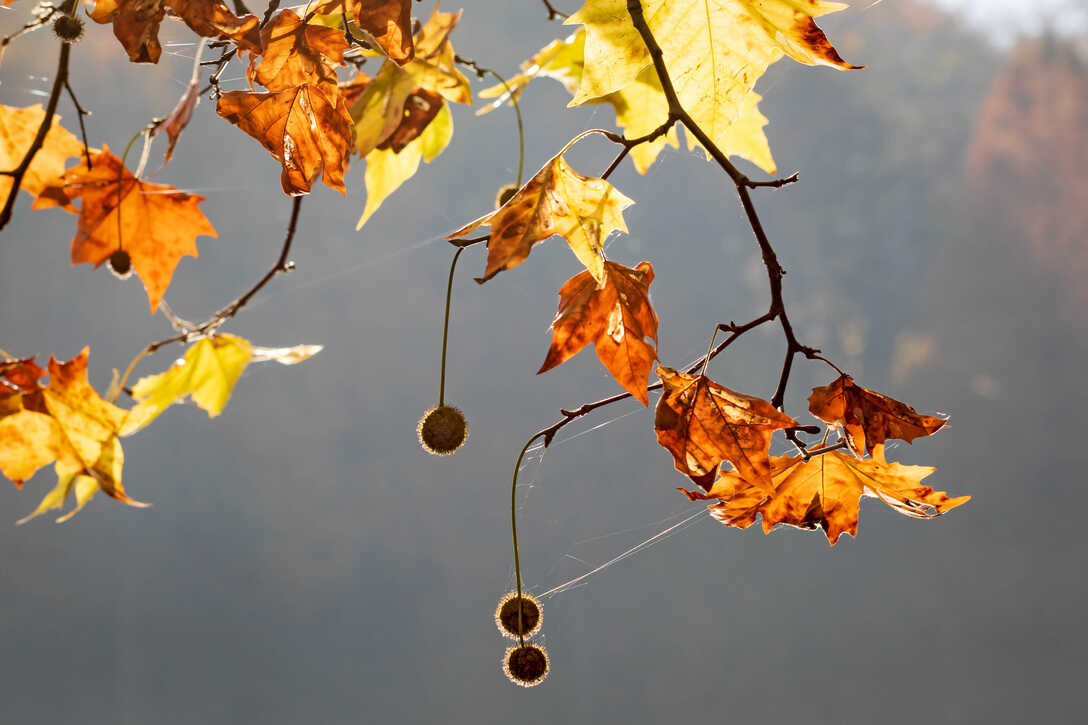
(514, 531)
(446, 328)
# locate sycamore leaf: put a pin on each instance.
(703, 423)
(293, 52)
(387, 169)
(18, 127)
(388, 22)
(306, 132)
(640, 106)
(617, 318)
(419, 110)
(77, 429)
(207, 373)
(83, 487)
(714, 52)
(557, 200)
(866, 417)
(825, 492)
(136, 23)
(156, 224)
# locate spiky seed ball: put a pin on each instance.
(68, 28)
(505, 194)
(120, 264)
(506, 615)
(442, 430)
(526, 665)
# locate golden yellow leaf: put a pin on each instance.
(207, 373)
(557, 200)
(18, 127)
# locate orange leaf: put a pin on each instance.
(18, 127)
(301, 128)
(156, 224)
(136, 23)
(179, 118)
(77, 429)
(825, 492)
(19, 386)
(703, 423)
(617, 318)
(293, 52)
(866, 417)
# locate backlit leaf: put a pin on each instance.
(293, 52)
(18, 127)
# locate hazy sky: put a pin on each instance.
(995, 16)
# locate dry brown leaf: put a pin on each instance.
(293, 52)
(868, 418)
(156, 224)
(703, 423)
(179, 118)
(617, 318)
(825, 492)
(557, 200)
(301, 128)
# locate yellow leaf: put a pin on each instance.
(207, 373)
(387, 169)
(715, 51)
(28, 441)
(560, 60)
(18, 127)
(557, 200)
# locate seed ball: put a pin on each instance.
(120, 264)
(505, 194)
(506, 615)
(442, 430)
(68, 28)
(526, 665)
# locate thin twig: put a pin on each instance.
(552, 12)
(80, 113)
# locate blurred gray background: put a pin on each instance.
(305, 561)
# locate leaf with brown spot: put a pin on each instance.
(617, 318)
(293, 52)
(557, 200)
(868, 418)
(156, 224)
(419, 110)
(301, 128)
(703, 423)
(18, 127)
(825, 492)
(77, 429)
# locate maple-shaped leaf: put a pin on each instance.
(77, 429)
(825, 492)
(557, 200)
(156, 224)
(640, 106)
(207, 373)
(617, 318)
(868, 418)
(714, 52)
(309, 134)
(388, 22)
(387, 169)
(703, 423)
(18, 127)
(383, 106)
(293, 52)
(136, 23)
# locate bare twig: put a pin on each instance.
(552, 12)
(80, 113)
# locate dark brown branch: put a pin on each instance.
(552, 12)
(240, 8)
(209, 326)
(80, 113)
(19, 171)
(273, 6)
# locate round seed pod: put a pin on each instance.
(442, 430)
(505, 194)
(506, 615)
(525, 665)
(120, 264)
(68, 28)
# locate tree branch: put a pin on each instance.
(552, 12)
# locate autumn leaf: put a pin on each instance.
(557, 200)
(868, 418)
(640, 106)
(18, 127)
(714, 53)
(387, 169)
(306, 132)
(293, 52)
(825, 492)
(703, 423)
(617, 318)
(136, 23)
(179, 118)
(388, 22)
(20, 387)
(77, 429)
(207, 373)
(156, 224)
